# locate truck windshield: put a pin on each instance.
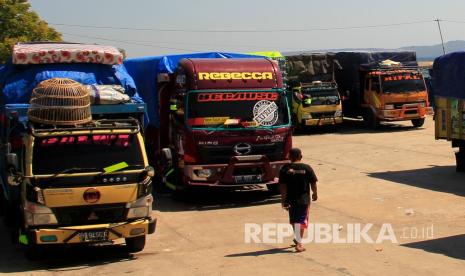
(320, 97)
(237, 108)
(53, 154)
(402, 83)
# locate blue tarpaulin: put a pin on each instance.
(144, 71)
(18, 81)
(449, 75)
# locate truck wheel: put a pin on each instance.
(12, 214)
(34, 252)
(460, 161)
(418, 122)
(370, 119)
(273, 189)
(2, 202)
(135, 244)
(182, 193)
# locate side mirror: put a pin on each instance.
(13, 177)
(347, 94)
(174, 105)
(167, 156)
(12, 161)
(150, 171)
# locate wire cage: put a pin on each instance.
(60, 101)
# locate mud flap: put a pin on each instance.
(168, 179)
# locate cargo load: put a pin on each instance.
(449, 92)
(310, 67)
(49, 53)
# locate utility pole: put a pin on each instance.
(440, 33)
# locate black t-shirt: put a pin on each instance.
(297, 178)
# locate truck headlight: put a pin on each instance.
(306, 116)
(38, 214)
(338, 113)
(203, 173)
(389, 106)
(140, 208)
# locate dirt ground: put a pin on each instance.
(396, 175)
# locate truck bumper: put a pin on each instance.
(322, 121)
(71, 234)
(408, 112)
(241, 171)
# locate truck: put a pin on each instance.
(86, 183)
(382, 87)
(224, 122)
(315, 97)
(449, 92)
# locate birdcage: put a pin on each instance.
(60, 101)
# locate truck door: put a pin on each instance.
(372, 95)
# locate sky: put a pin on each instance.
(146, 28)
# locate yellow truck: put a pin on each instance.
(315, 97)
(85, 182)
(317, 103)
(449, 91)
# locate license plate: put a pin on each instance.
(94, 236)
(243, 179)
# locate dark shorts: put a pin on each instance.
(298, 214)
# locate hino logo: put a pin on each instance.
(242, 148)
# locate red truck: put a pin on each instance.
(223, 122)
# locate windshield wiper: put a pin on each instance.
(73, 169)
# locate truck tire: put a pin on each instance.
(273, 189)
(35, 252)
(370, 119)
(460, 161)
(418, 122)
(182, 193)
(135, 244)
(13, 215)
(2, 202)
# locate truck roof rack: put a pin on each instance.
(20, 110)
(391, 68)
(319, 85)
(104, 124)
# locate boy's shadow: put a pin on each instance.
(282, 250)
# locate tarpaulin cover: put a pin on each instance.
(306, 68)
(18, 81)
(449, 75)
(348, 79)
(145, 70)
(270, 54)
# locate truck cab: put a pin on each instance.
(229, 124)
(83, 184)
(317, 103)
(395, 95)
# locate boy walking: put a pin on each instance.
(296, 179)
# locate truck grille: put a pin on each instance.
(81, 215)
(222, 154)
(323, 115)
(400, 105)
